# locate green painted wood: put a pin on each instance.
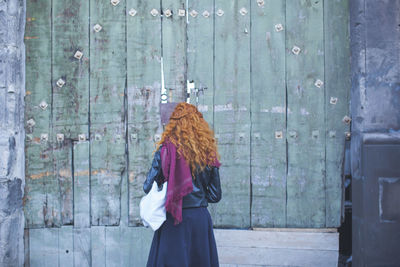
(232, 113)
(107, 86)
(38, 155)
(337, 69)
(306, 103)
(98, 245)
(63, 182)
(117, 246)
(44, 248)
(66, 245)
(268, 115)
(143, 94)
(71, 101)
(174, 47)
(200, 56)
(82, 248)
(70, 34)
(81, 185)
(107, 157)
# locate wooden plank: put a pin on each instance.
(305, 121)
(44, 247)
(81, 184)
(277, 248)
(174, 47)
(82, 253)
(143, 94)
(71, 101)
(62, 152)
(70, 34)
(268, 115)
(38, 88)
(280, 257)
(66, 246)
(337, 76)
(98, 245)
(278, 239)
(117, 244)
(200, 56)
(107, 167)
(107, 87)
(232, 113)
(140, 247)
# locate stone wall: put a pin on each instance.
(12, 169)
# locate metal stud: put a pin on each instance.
(260, 2)
(315, 133)
(296, 50)
(97, 137)
(154, 12)
(114, 2)
(181, 12)
(193, 13)
(31, 122)
(44, 137)
(220, 12)
(81, 137)
(217, 136)
(60, 137)
(241, 136)
(332, 134)
(243, 11)
(29, 137)
(347, 135)
(11, 89)
(168, 13)
(60, 82)
(134, 136)
(78, 54)
(157, 137)
(278, 27)
(132, 12)
(346, 119)
(257, 136)
(206, 14)
(278, 134)
(118, 137)
(43, 105)
(97, 27)
(293, 134)
(333, 100)
(318, 83)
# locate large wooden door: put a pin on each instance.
(271, 78)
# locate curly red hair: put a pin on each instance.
(192, 136)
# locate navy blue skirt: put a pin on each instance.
(190, 243)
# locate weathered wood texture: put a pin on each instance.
(143, 96)
(96, 246)
(306, 120)
(200, 56)
(337, 98)
(107, 112)
(272, 107)
(232, 112)
(129, 246)
(268, 115)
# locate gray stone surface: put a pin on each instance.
(12, 167)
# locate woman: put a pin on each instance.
(187, 158)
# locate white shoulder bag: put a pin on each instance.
(152, 207)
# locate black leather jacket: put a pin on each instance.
(206, 186)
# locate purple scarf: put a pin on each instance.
(177, 173)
